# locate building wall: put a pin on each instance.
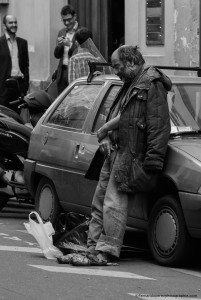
(135, 32)
(39, 22)
(181, 46)
(186, 43)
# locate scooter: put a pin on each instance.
(14, 142)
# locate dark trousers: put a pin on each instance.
(12, 94)
(63, 82)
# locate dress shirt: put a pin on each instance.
(12, 45)
(78, 64)
(69, 36)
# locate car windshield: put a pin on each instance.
(184, 102)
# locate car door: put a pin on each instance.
(61, 136)
(96, 119)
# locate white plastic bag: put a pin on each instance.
(43, 232)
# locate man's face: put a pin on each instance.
(11, 24)
(125, 71)
(69, 21)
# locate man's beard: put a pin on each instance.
(129, 76)
(10, 30)
(131, 73)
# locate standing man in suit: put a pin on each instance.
(65, 45)
(14, 62)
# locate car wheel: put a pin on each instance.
(167, 234)
(3, 200)
(47, 202)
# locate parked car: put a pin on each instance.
(64, 141)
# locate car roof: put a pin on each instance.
(193, 77)
(174, 78)
(190, 78)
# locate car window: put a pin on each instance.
(184, 102)
(74, 108)
(105, 106)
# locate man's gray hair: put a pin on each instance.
(130, 54)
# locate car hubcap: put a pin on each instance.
(166, 232)
(46, 203)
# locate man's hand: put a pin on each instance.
(62, 41)
(102, 132)
(66, 42)
(105, 146)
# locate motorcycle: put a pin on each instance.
(14, 141)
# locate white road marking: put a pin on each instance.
(20, 249)
(193, 273)
(74, 270)
(30, 244)
(165, 297)
(24, 231)
(92, 271)
(14, 238)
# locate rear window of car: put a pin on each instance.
(74, 108)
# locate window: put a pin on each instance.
(154, 22)
(74, 108)
(105, 107)
(184, 106)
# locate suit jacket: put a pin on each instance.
(6, 64)
(58, 51)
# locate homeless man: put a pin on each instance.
(134, 151)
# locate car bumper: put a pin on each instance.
(191, 204)
(29, 168)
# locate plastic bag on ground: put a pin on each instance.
(73, 238)
(43, 232)
(68, 221)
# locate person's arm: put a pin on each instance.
(73, 72)
(158, 127)
(110, 125)
(59, 49)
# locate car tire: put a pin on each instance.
(167, 234)
(47, 202)
(3, 200)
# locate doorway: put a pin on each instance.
(116, 22)
(105, 18)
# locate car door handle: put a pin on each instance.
(82, 148)
(45, 138)
(79, 149)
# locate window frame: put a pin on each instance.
(161, 41)
(113, 84)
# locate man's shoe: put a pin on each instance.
(103, 256)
